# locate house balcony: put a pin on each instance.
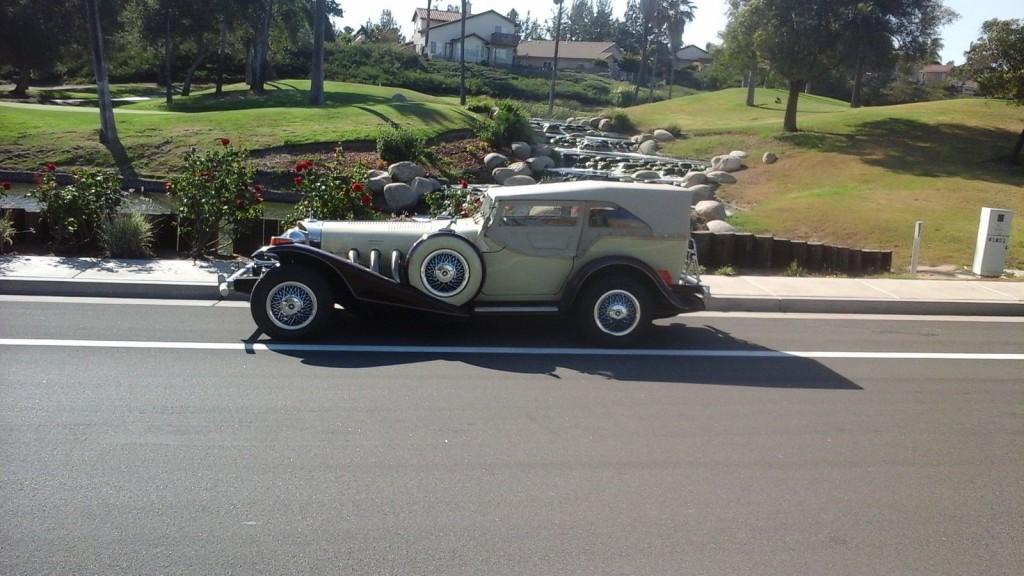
(503, 39)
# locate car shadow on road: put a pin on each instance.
(551, 334)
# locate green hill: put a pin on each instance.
(861, 177)
(156, 136)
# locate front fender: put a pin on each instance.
(363, 284)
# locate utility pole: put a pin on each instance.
(462, 58)
(554, 68)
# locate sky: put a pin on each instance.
(705, 28)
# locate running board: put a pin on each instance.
(513, 309)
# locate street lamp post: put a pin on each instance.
(554, 68)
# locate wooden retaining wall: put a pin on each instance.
(764, 252)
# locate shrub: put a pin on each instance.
(481, 105)
(621, 122)
(7, 232)
(332, 191)
(455, 202)
(794, 269)
(127, 235)
(215, 190)
(726, 271)
(74, 212)
(395, 144)
(674, 129)
(510, 124)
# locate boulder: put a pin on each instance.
(375, 173)
(423, 186)
(495, 160)
(649, 147)
(595, 121)
(694, 178)
(701, 192)
(646, 175)
(396, 97)
(769, 158)
(400, 197)
(542, 150)
(738, 153)
(520, 180)
(521, 150)
(377, 183)
(541, 163)
(405, 171)
(721, 227)
(502, 174)
(644, 137)
(521, 168)
(663, 136)
(605, 125)
(727, 163)
(710, 210)
(721, 177)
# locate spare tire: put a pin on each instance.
(446, 266)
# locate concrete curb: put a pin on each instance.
(865, 306)
(27, 286)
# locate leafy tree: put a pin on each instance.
(27, 40)
(737, 56)
(677, 14)
(602, 23)
(581, 15)
(629, 33)
(996, 62)
(108, 127)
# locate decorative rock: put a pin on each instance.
(769, 158)
(396, 97)
(605, 125)
(375, 173)
(721, 227)
(423, 186)
(727, 163)
(641, 138)
(663, 136)
(520, 180)
(710, 210)
(500, 175)
(542, 150)
(738, 153)
(721, 177)
(694, 178)
(649, 147)
(541, 163)
(521, 150)
(404, 171)
(495, 160)
(595, 121)
(521, 168)
(377, 183)
(646, 175)
(400, 197)
(701, 192)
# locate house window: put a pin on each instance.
(497, 28)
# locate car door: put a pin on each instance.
(531, 247)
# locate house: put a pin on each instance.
(691, 55)
(582, 56)
(934, 74)
(490, 37)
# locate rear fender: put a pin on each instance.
(626, 266)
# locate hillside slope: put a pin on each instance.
(861, 176)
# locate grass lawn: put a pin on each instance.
(861, 177)
(156, 136)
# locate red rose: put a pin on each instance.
(366, 200)
(297, 180)
(168, 186)
(6, 185)
(357, 187)
(50, 166)
(258, 199)
(464, 183)
(303, 165)
(223, 141)
(258, 189)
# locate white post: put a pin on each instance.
(918, 228)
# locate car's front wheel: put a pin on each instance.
(291, 302)
(614, 311)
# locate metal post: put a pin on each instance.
(462, 58)
(554, 67)
(918, 229)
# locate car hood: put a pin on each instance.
(340, 237)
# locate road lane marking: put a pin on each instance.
(501, 350)
(706, 314)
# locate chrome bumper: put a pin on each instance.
(227, 285)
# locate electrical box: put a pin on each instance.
(993, 242)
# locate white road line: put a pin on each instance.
(709, 314)
(499, 350)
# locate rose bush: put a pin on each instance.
(332, 191)
(73, 212)
(215, 191)
(458, 202)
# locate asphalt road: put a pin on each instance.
(164, 454)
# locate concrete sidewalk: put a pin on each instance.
(184, 279)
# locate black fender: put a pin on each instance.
(666, 301)
(361, 283)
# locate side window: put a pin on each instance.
(614, 216)
(526, 214)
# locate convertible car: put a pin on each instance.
(612, 256)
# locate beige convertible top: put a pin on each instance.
(665, 208)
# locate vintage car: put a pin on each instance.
(611, 255)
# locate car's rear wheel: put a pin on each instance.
(291, 302)
(447, 267)
(614, 311)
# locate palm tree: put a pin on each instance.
(679, 13)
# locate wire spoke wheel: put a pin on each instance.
(445, 273)
(291, 305)
(617, 312)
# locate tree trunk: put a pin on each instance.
(168, 50)
(554, 67)
(671, 79)
(221, 48)
(858, 79)
(462, 57)
(426, 39)
(21, 87)
(654, 77)
(1015, 157)
(316, 80)
(751, 86)
(249, 59)
(186, 86)
(261, 48)
(643, 64)
(108, 127)
(789, 124)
